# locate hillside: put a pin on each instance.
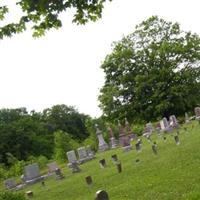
(171, 174)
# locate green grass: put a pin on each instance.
(172, 174)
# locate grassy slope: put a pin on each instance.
(173, 174)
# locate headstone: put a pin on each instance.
(10, 183)
(148, 129)
(74, 167)
(102, 163)
(32, 172)
(165, 125)
(187, 119)
(43, 183)
(177, 139)
(197, 113)
(130, 133)
(29, 194)
(173, 121)
(154, 148)
(114, 158)
(59, 174)
(124, 139)
(90, 153)
(119, 167)
(138, 145)
(113, 142)
(52, 167)
(103, 146)
(83, 156)
(88, 180)
(71, 156)
(101, 195)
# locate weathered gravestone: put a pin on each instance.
(75, 167)
(83, 155)
(138, 145)
(148, 129)
(52, 167)
(102, 163)
(90, 153)
(154, 148)
(176, 138)
(124, 139)
(71, 156)
(32, 173)
(119, 167)
(58, 174)
(173, 121)
(113, 142)
(197, 113)
(29, 194)
(88, 180)
(165, 125)
(187, 119)
(101, 195)
(103, 146)
(114, 158)
(10, 183)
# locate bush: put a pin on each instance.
(12, 196)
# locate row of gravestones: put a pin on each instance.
(32, 173)
(84, 154)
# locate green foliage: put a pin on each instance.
(12, 196)
(26, 136)
(43, 15)
(63, 143)
(151, 73)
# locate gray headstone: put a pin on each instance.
(74, 167)
(52, 167)
(10, 183)
(71, 156)
(32, 171)
(101, 195)
(82, 153)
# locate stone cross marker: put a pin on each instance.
(10, 183)
(32, 171)
(101, 195)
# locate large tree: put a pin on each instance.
(153, 72)
(44, 14)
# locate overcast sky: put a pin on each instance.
(64, 66)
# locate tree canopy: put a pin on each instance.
(43, 15)
(153, 72)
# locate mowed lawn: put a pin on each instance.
(174, 173)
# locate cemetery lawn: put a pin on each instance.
(174, 173)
